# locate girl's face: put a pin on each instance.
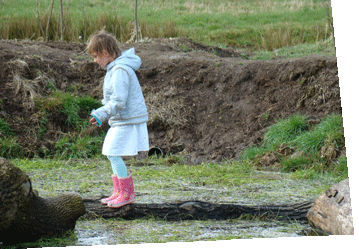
(102, 59)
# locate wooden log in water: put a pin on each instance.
(197, 210)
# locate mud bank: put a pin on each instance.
(204, 102)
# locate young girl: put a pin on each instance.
(124, 108)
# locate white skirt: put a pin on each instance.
(126, 140)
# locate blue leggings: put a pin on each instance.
(118, 166)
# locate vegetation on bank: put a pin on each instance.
(169, 180)
(293, 144)
(295, 153)
(290, 145)
(278, 26)
(65, 110)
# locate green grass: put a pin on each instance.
(77, 146)
(68, 111)
(253, 25)
(330, 129)
(5, 129)
(68, 107)
(285, 130)
(158, 182)
(314, 150)
(10, 148)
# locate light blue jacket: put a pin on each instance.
(123, 101)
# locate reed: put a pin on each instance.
(256, 25)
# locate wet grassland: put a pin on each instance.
(295, 163)
(267, 27)
(170, 180)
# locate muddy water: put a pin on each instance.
(255, 188)
(252, 192)
(129, 232)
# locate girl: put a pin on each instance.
(124, 108)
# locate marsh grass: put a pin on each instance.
(313, 149)
(72, 111)
(10, 148)
(233, 182)
(160, 182)
(329, 129)
(5, 129)
(70, 107)
(256, 25)
(285, 130)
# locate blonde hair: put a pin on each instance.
(103, 41)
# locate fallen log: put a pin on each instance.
(197, 210)
(25, 216)
(332, 213)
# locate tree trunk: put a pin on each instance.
(332, 212)
(136, 22)
(62, 20)
(48, 21)
(26, 217)
(197, 210)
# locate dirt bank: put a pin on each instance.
(204, 102)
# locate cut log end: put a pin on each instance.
(332, 212)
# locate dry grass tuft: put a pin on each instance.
(28, 89)
(165, 110)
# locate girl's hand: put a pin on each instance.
(94, 122)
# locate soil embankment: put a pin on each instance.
(204, 102)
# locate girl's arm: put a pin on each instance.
(120, 83)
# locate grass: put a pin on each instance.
(157, 181)
(5, 129)
(254, 25)
(169, 179)
(309, 149)
(72, 111)
(285, 130)
(269, 29)
(66, 110)
(70, 108)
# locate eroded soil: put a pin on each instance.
(204, 102)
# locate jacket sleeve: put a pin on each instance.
(120, 85)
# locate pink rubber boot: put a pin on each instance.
(115, 191)
(126, 192)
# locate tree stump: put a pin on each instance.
(26, 217)
(332, 212)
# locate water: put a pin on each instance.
(111, 232)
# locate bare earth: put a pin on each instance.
(204, 102)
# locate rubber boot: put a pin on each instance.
(126, 192)
(115, 191)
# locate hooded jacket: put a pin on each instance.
(123, 101)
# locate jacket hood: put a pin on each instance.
(127, 58)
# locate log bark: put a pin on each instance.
(26, 217)
(197, 210)
(332, 212)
